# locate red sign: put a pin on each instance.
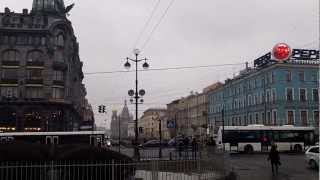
(281, 52)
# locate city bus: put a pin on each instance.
(94, 138)
(259, 138)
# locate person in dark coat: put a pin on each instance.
(194, 145)
(274, 158)
(180, 146)
(186, 145)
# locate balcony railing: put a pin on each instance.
(9, 81)
(10, 63)
(34, 81)
(59, 65)
(58, 82)
(35, 63)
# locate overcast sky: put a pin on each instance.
(193, 32)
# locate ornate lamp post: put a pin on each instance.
(136, 94)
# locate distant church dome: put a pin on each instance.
(48, 6)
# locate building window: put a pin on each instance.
(34, 92)
(257, 118)
(60, 40)
(269, 118)
(303, 96)
(35, 56)
(274, 117)
(263, 118)
(289, 94)
(34, 74)
(290, 117)
(272, 77)
(268, 98)
(273, 95)
(250, 119)
(288, 76)
(11, 55)
(57, 93)
(315, 95)
(9, 74)
(43, 41)
(9, 92)
(301, 76)
(22, 40)
(58, 75)
(5, 40)
(316, 118)
(304, 118)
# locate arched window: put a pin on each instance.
(35, 56)
(60, 40)
(11, 55)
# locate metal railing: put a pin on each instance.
(168, 153)
(114, 170)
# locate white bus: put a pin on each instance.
(260, 138)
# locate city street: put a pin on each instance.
(250, 166)
(256, 167)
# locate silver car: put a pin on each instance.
(312, 156)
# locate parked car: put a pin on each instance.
(152, 143)
(312, 156)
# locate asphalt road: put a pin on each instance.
(256, 167)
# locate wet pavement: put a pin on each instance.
(256, 167)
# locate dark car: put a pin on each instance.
(152, 143)
(178, 140)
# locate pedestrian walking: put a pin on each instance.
(274, 158)
(186, 145)
(180, 146)
(194, 145)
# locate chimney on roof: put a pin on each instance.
(24, 11)
(247, 65)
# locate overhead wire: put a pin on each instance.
(157, 25)
(164, 69)
(146, 24)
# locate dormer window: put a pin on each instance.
(35, 56)
(60, 40)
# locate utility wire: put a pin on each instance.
(157, 25)
(146, 24)
(164, 69)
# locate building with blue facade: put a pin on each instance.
(270, 93)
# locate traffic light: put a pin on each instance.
(102, 109)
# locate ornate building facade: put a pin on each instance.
(41, 73)
(121, 123)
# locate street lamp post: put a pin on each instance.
(135, 94)
(157, 118)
